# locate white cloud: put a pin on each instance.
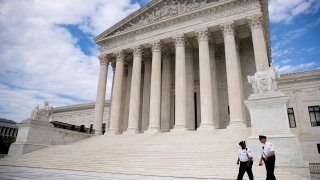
(280, 48)
(40, 59)
(294, 68)
(312, 50)
(286, 61)
(286, 10)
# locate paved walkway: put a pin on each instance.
(24, 173)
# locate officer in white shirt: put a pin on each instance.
(268, 157)
(245, 160)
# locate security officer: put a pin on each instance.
(245, 159)
(268, 157)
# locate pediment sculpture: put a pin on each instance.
(264, 80)
(42, 114)
(165, 9)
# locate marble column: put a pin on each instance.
(233, 71)
(237, 39)
(146, 92)
(134, 108)
(113, 65)
(123, 96)
(101, 93)
(190, 86)
(180, 84)
(205, 80)
(155, 91)
(166, 91)
(127, 100)
(259, 43)
(116, 94)
(172, 100)
(214, 83)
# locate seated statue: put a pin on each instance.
(42, 114)
(264, 80)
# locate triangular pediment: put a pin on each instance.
(153, 12)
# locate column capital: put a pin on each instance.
(227, 28)
(202, 34)
(137, 51)
(120, 55)
(156, 46)
(255, 21)
(104, 59)
(178, 39)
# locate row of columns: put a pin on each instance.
(159, 102)
(8, 131)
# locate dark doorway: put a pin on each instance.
(195, 111)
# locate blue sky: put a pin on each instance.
(47, 50)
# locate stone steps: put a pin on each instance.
(187, 154)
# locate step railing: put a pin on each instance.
(314, 168)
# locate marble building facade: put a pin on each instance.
(181, 65)
(187, 62)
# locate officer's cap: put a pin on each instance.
(262, 137)
(242, 143)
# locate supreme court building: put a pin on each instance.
(191, 78)
(182, 65)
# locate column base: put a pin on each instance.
(112, 132)
(152, 130)
(179, 128)
(236, 125)
(97, 132)
(206, 127)
(131, 131)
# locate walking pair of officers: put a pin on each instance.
(245, 159)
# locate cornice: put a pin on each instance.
(83, 106)
(126, 20)
(300, 76)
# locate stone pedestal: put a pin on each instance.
(35, 134)
(31, 136)
(269, 117)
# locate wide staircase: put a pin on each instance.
(191, 154)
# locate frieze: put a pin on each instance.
(116, 42)
(229, 12)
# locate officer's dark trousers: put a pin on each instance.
(270, 167)
(242, 169)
